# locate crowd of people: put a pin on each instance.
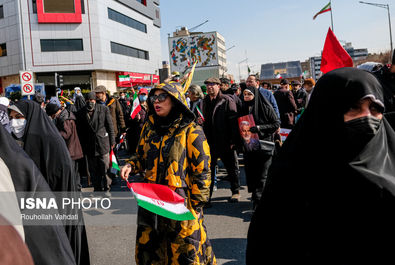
(332, 180)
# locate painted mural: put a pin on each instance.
(185, 51)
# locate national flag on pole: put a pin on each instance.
(161, 200)
(325, 9)
(248, 69)
(113, 162)
(136, 106)
(278, 76)
(200, 112)
(334, 55)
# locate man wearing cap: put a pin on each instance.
(95, 129)
(65, 122)
(286, 105)
(221, 129)
(299, 94)
(227, 90)
(115, 109)
(253, 81)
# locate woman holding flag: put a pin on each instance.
(173, 152)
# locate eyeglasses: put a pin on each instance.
(161, 97)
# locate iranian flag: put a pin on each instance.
(325, 9)
(136, 106)
(161, 200)
(200, 112)
(113, 163)
(124, 80)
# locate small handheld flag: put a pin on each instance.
(200, 113)
(114, 163)
(136, 106)
(161, 200)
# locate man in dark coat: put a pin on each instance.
(221, 129)
(286, 105)
(97, 139)
(65, 122)
(299, 94)
(227, 90)
(115, 108)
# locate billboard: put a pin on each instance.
(185, 50)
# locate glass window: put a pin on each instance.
(1, 12)
(61, 45)
(56, 6)
(143, 2)
(82, 7)
(3, 49)
(125, 20)
(129, 51)
(34, 3)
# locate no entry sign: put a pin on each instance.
(27, 84)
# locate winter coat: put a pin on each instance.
(300, 98)
(116, 112)
(178, 157)
(68, 130)
(96, 133)
(287, 107)
(221, 126)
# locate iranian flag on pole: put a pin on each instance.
(136, 106)
(326, 8)
(161, 200)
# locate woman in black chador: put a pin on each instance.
(41, 140)
(329, 197)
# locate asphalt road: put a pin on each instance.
(111, 233)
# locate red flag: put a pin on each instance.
(334, 55)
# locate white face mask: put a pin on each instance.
(18, 127)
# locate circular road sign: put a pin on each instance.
(27, 88)
(26, 76)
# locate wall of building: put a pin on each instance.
(9, 80)
(10, 34)
(107, 79)
(202, 48)
(96, 31)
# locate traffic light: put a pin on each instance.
(60, 80)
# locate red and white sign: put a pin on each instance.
(27, 84)
(44, 17)
(137, 79)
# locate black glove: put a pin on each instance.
(254, 129)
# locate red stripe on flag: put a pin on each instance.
(156, 191)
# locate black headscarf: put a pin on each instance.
(263, 113)
(319, 206)
(46, 147)
(47, 244)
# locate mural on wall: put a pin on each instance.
(185, 51)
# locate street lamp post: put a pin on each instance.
(245, 60)
(387, 6)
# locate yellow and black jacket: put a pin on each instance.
(178, 157)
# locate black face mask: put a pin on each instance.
(90, 105)
(358, 132)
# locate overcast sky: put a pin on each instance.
(270, 31)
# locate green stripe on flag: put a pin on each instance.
(160, 211)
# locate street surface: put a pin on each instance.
(112, 241)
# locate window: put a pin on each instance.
(1, 12)
(56, 6)
(61, 45)
(3, 49)
(82, 7)
(143, 2)
(129, 51)
(130, 22)
(34, 6)
(157, 13)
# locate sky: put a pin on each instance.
(267, 31)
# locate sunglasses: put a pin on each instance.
(161, 97)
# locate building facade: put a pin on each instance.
(88, 42)
(207, 49)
